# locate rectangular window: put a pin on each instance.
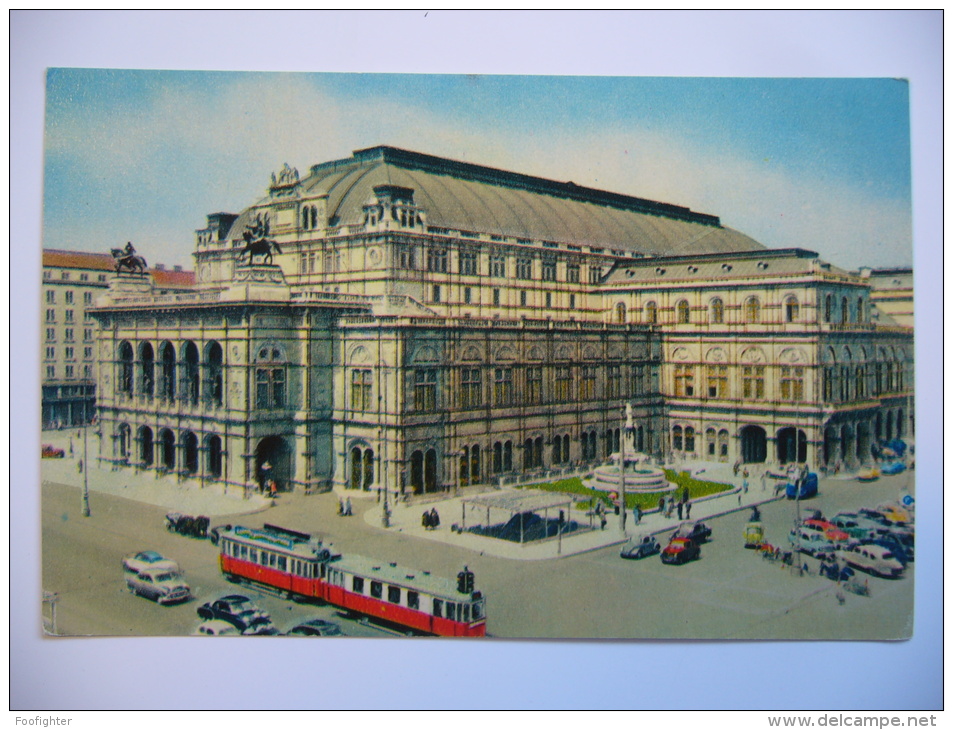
(69, 353)
(69, 315)
(496, 297)
(549, 269)
(425, 390)
(270, 388)
(524, 268)
(87, 335)
(377, 589)
(50, 334)
(438, 608)
(549, 300)
(563, 384)
(467, 295)
(534, 385)
(406, 257)
(572, 301)
(65, 276)
(88, 371)
(360, 390)
(50, 353)
(752, 381)
(357, 584)
(792, 384)
(468, 263)
(69, 297)
(595, 274)
(614, 381)
(522, 298)
(413, 599)
(84, 277)
(685, 380)
(69, 371)
(503, 386)
(51, 371)
(471, 392)
(437, 260)
(50, 296)
(50, 315)
(717, 381)
(498, 265)
(638, 380)
(587, 382)
(436, 293)
(393, 594)
(68, 334)
(572, 273)
(101, 277)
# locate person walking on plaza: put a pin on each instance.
(347, 507)
(661, 505)
(637, 514)
(679, 508)
(688, 510)
(685, 494)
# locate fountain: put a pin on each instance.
(640, 477)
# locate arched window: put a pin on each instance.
(791, 309)
(827, 307)
(844, 310)
(145, 446)
(190, 452)
(651, 313)
(723, 444)
(146, 369)
(125, 368)
(682, 312)
(189, 390)
(752, 310)
(213, 374)
(710, 442)
(676, 438)
(167, 373)
(123, 442)
(717, 311)
(269, 379)
(860, 309)
(214, 450)
(620, 313)
(689, 438)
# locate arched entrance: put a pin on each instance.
(792, 445)
(754, 445)
(190, 452)
(145, 446)
(167, 448)
(362, 468)
(830, 445)
(273, 462)
(430, 471)
(123, 439)
(417, 472)
(863, 443)
(846, 442)
(214, 446)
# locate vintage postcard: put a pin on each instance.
(477, 356)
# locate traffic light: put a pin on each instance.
(465, 581)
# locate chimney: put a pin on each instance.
(177, 267)
(159, 267)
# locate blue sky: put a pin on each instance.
(820, 164)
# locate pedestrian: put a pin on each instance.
(737, 466)
(764, 481)
(679, 507)
(671, 506)
(79, 466)
(273, 488)
(688, 510)
(434, 518)
(739, 497)
(661, 505)
(347, 507)
(685, 494)
(637, 514)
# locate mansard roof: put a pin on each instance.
(463, 196)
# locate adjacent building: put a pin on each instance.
(72, 280)
(402, 321)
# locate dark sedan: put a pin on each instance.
(316, 627)
(697, 532)
(680, 550)
(241, 612)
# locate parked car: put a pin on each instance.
(51, 452)
(893, 467)
(873, 559)
(698, 532)
(835, 570)
(894, 513)
(160, 584)
(187, 525)
(828, 529)
(316, 627)
(901, 546)
(680, 550)
(855, 527)
(808, 488)
(216, 532)
(640, 547)
(811, 542)
(216, 627)
(241, 612)
(148, 560)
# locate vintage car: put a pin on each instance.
(187, 525)
(51, 452)
(160, 584)
(874, 559)
(698, 532)
(640, 547)
(812, 542)
(241, 612)
(857, 529)
(316, 627)
(828, 529)
(901, 545)
(835, 570)
(894, 513)
(870, 474)
(893, 467)
(680, 550)
(754, 535)
(216, 627)
(802, 489)
(148, 560)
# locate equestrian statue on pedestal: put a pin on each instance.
(257, 242)
(128, 259)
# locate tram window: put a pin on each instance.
(357, 584)
(244, 552)
(477, 611)
(282, 563)
(393, 594)
(377, 589)
(253, 555)
(413, 599)
(466, 613)
(437, 607)
(451, 611)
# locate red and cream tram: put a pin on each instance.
(299, 565)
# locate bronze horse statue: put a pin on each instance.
(257, 242)
(127, 258)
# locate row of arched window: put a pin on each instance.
(163, 449)
(751, 311)
(171, 375)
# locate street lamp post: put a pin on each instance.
(85, 471)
